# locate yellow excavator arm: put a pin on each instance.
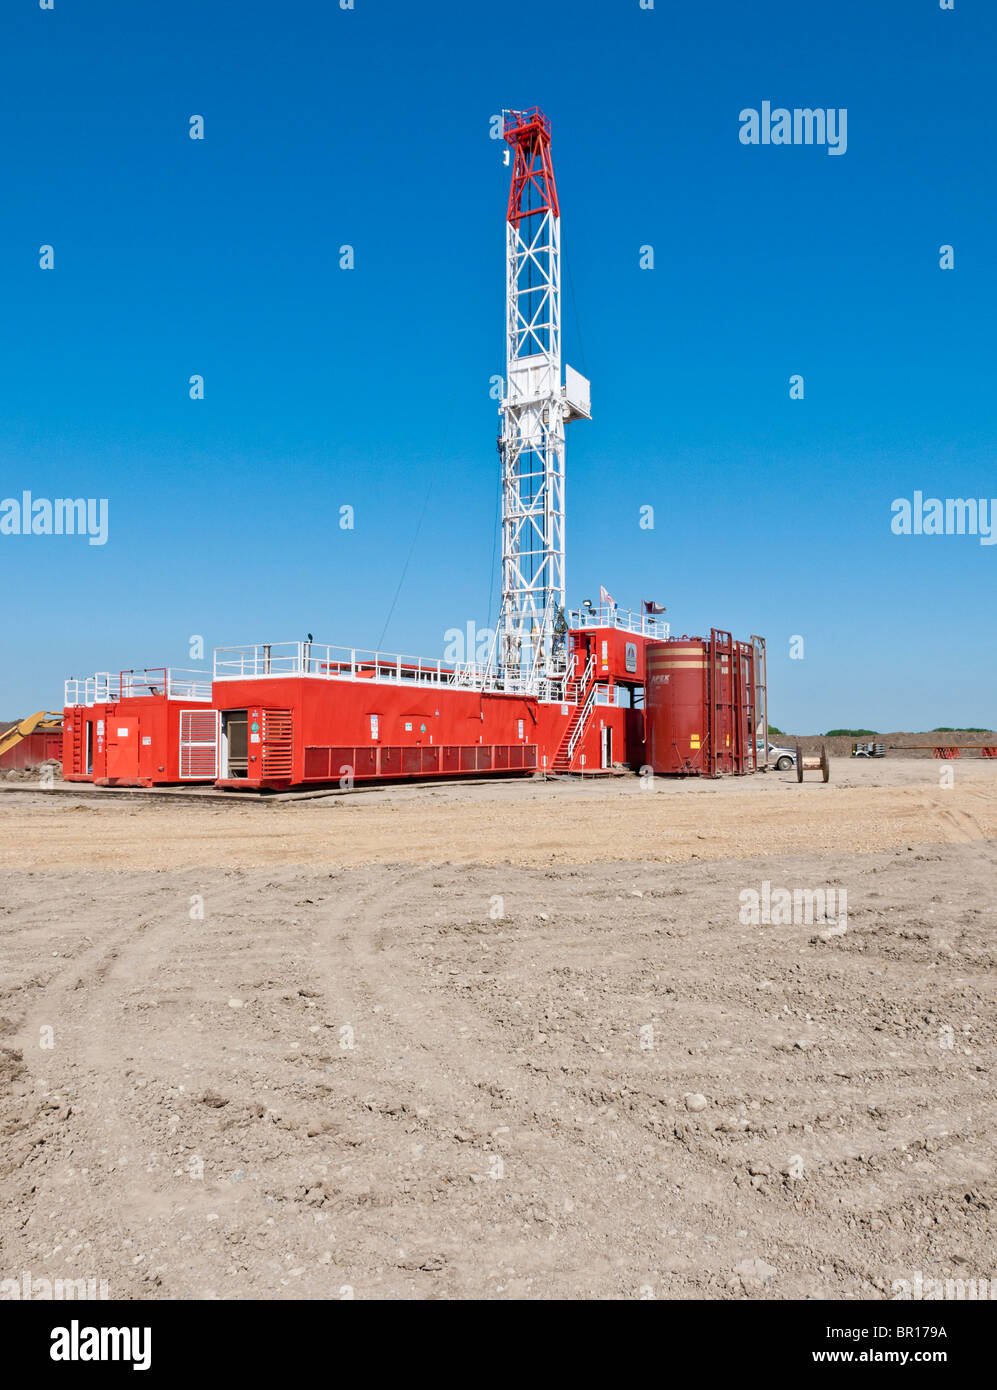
(42, 720)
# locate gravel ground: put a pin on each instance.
(516, 1041)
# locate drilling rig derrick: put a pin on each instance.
(535, 408)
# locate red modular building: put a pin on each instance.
(298, 712)
(140, 728)
(280, 715)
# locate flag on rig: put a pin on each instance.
(650, 606)
(606, 599)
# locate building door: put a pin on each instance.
(607, 746)
(122, 746)
(235, 743)
(88, 749)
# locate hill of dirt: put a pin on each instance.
(842, 747)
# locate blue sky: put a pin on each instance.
(370, 387)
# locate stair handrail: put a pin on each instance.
(582, 683)
(580, 726)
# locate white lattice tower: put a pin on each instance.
(534, 408)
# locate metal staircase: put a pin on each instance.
(576, 725)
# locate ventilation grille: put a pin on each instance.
(199, 744)
(277, 748)
(388, 760)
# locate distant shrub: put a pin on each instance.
(962, 729)
(851, 733)
(781, 732)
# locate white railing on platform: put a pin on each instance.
(175, 683)
(96, 689)
(625, 619)
(316, 659)
(343, 663)
(105, 687)
(189, 685)
(576, 687)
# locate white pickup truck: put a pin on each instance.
(780, 758)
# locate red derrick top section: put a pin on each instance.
(533, 189)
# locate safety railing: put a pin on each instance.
(576, 688)
(99, 688)
(517, 120)
(316, 659)
(583, 719)
(105, 687)
(338, 663)
(175, 683)
(626, 620)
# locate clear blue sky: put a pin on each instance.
(326, 387)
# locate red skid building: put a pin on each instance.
(140, 728)
(299, 712)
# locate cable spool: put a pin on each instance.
(821, 764)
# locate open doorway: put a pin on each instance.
(607, 746)
(235, 743)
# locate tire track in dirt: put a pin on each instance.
(515, 1038)
(470, 1108)
(124, 1134)
(553, 1092)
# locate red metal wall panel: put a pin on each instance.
(619, 655)
(420, 730)
(148, 755)
(31, 752)
(391, 730)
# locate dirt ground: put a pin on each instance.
(520, 1040)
